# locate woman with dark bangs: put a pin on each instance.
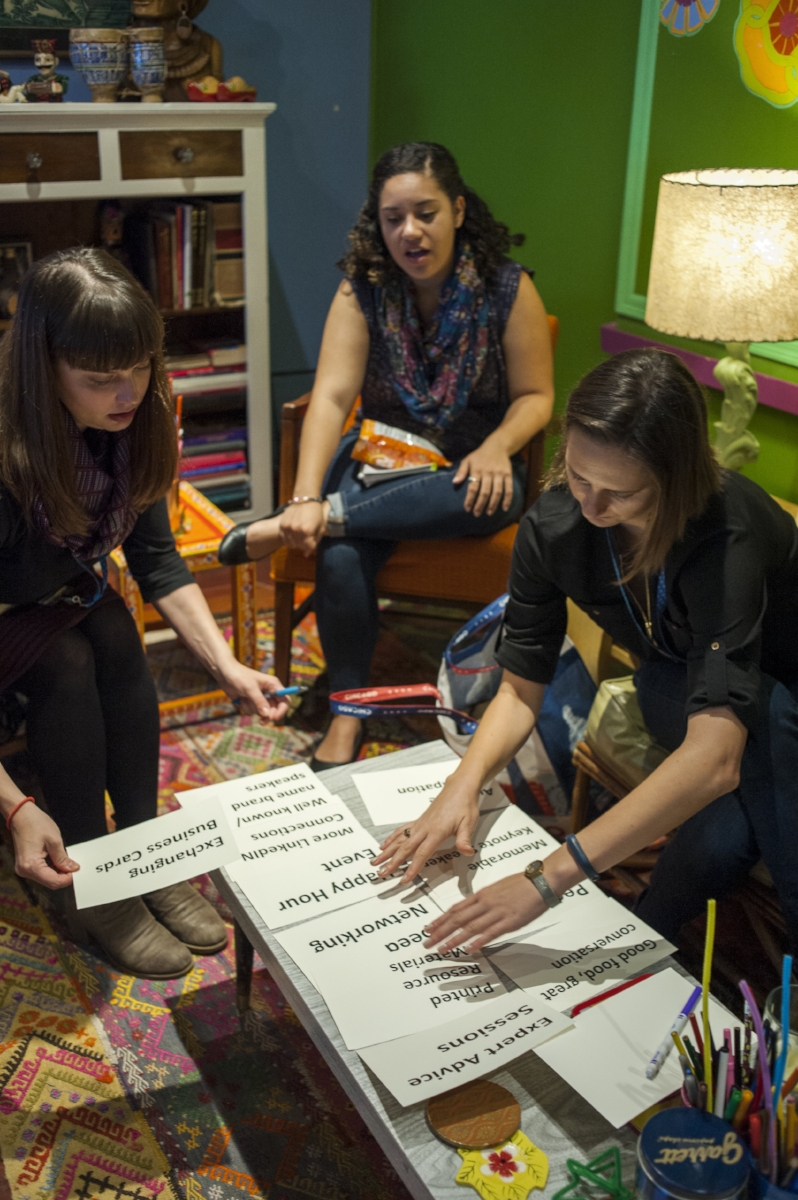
(441, 335)
(693, 569)
(87, 453)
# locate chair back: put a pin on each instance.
(293, 414)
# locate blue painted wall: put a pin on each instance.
(311, 57)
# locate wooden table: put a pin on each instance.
(554, 1117)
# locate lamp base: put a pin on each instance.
(735, 445)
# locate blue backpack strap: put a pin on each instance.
(486, 620)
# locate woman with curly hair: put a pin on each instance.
(441, 335)
(87, 453)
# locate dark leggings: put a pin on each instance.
(93, 725)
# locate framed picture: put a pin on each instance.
(21, 20)
(15, 258)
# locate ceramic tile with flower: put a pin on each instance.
(686, 17)
(506, 1172)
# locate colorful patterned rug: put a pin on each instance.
(116, 1087)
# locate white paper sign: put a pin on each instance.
(370, 966)
(566, 961)
(505, 841)
(405, 793)
(424, 1064)
(155, 854)
(605, 1055)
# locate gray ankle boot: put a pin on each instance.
(130, 936)
(187, 915)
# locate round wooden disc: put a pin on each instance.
(476, 1115)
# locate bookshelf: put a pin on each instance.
(59, 161)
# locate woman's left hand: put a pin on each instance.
(252, 689)
(490, 479)
(499, 908)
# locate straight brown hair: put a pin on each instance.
(81, 307)
(648, 404)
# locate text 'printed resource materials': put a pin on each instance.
(605, 1055)
(405, 793)
(505, 841)
(563, 963)
(155, 854)
(302, 850)
(425, 1064)
(401, 988)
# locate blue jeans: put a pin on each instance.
(374, 520)
(713, 851)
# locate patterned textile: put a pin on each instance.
(102, 474)
(435, 369)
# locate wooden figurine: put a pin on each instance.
(190, 53)
(46, 85)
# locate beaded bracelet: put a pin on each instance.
(304, 500)
(580, 858)
(15, 810)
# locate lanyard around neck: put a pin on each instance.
(659, 604)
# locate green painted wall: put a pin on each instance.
(534, 99)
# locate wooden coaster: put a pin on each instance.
(476, 1115)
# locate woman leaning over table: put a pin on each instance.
(87, 453)
(441, 335)
(693, 569)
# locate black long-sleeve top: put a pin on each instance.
(731, 584)
(32, 568)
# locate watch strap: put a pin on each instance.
(547, 892)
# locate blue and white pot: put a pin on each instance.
(147, 62)
(100, 57)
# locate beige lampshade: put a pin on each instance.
(724, 266)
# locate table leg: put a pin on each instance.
(245, 957)
(245, 617)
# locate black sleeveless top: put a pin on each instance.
(489, 398)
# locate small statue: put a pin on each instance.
(47, 85)
(112, 220)
(190, 52)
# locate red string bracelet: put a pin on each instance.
(14, 811)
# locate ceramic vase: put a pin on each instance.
(147, 62)
(100, 57)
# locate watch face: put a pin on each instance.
(534, 868)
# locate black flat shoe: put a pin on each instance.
(232, 550)
(318, 764)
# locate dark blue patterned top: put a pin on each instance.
(489, 399)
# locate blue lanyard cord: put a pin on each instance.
(659, 605)
(99, 584)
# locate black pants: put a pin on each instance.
(713, 851)
(93, 725)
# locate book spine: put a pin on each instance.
(177, 258)
(186, 256)
(198, 269)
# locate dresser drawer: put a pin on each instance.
(48, 157)
(181, 154)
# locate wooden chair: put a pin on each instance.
(758, 897)
(470, 571)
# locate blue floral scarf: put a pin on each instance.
(435, 370)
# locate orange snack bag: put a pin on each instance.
(387, 447)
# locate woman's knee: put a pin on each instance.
(345, 570)
(114, 638)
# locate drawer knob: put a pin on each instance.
(184, 154)
(34, 160)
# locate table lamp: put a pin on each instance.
(724, 267)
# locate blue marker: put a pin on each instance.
(653, 1068)
(289, 691)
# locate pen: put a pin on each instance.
(720, 1082)
(790, 1083)
(697, 1032)
(578, 1008)
(738, 1062)
(695, 1058)
(702, 1095)
(296, 690)
(755, 1134)
(749, 1029)
(743, 1108)
(652, 1070)
(732, 1104)
(691, 1087)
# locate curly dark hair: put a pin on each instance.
(368, 256)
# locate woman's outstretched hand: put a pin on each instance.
(490, 479)
(500, 908)
(252, 689)
(453, 813)
(39, 853)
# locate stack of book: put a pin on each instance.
(212, 379)
(188, 255)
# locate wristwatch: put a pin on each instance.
(534, 873)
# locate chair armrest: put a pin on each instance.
(293, 414)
